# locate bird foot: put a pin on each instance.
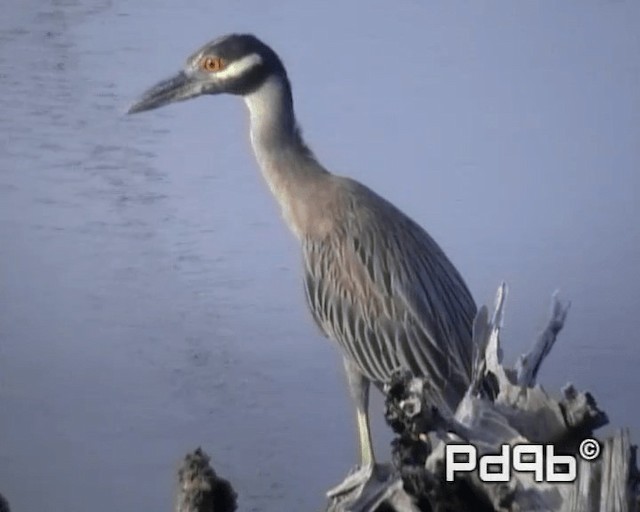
(366, 488)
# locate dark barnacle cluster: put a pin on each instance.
(4, 504)
(200, 489)
(411, 417)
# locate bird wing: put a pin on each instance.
(381, 287)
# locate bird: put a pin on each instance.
(375, 281)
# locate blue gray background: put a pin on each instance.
(150, 297)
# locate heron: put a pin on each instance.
(376, 282)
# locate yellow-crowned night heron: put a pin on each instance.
(375, 281)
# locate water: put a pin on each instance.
(150, 299)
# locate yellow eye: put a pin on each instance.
(213, 64)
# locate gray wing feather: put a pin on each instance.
(381, 287)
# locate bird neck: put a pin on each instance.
(273, 122)
(288, 166)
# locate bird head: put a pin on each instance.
(234, 64)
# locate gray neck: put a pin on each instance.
(287, 164)
(273, 123)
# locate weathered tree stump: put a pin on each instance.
(503, 406)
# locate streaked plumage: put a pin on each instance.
(375, 281)
(380, 286)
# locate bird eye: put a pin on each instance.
(213, 64)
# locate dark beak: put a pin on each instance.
(177, 88)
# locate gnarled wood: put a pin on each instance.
(505, 406)
(502, 406)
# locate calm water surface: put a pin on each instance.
(149, 296)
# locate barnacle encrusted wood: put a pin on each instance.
(200, 489)
(502, 406)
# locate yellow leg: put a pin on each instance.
(368, 480)
(364, 433)
(359, 390)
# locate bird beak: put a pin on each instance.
(177, 88)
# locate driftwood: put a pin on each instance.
(503, 406)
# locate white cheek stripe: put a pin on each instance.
(239, 67)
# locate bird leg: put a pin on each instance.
(368, 480)
(369, 484)
(366, 469)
